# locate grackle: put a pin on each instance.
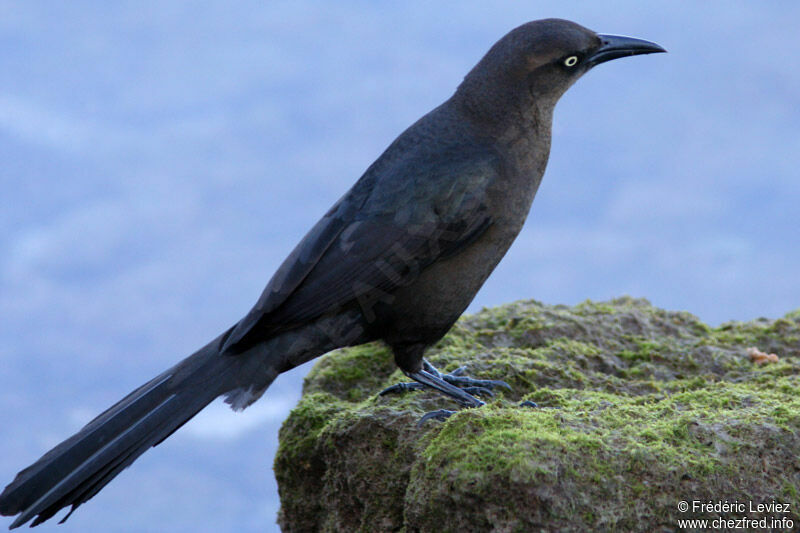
(398, 258)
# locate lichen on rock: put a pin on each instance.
(639, 409)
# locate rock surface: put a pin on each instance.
(639, 409)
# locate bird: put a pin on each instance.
(397, 259)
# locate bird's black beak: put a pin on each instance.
(616, 46)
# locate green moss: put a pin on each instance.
(779, 335)
(636, 404)
(789, 491)
(306, 421)
(591, 437)
(352, 374)
(631, 356)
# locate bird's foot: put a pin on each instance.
(429, 377)
(456, 378)
(443, 414)
(455, 384)
(479, 387)
(413, 385)
(401, 387)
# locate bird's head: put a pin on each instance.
(537, 62)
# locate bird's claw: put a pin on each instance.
(401, 387)
(456, 377)
(443, 414)
(440, 415)
(455, 384)
(479, 391)
(464, 381)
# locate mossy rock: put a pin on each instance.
(639, 409)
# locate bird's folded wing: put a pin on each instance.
(377, 238)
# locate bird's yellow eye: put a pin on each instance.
(571, 61)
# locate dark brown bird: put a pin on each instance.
(398, 258)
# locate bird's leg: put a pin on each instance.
(455, 385)
(456, 377)
(427, 379)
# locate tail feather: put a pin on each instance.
(95, 472)
(78, 468)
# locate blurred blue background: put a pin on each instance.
(158, 160)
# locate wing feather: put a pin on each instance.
(392, 225)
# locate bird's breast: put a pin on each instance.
(432, 303)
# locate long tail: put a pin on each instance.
(75, 470)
